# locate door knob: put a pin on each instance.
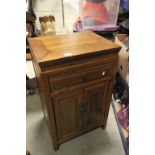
(82, 108)
(85, 108)
(103, 73)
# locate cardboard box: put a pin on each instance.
(123, 62)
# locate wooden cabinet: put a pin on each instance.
(68, 114)
(79, 110)
(94, 103)
(75, 75)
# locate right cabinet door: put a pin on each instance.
(95, 98)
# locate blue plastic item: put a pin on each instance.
(124, 4)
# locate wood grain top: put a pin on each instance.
(60, 47)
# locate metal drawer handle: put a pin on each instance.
(103, 73)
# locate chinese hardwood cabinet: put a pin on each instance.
(75, 74)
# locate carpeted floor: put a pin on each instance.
(96, 142)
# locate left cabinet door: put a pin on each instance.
(67, 108)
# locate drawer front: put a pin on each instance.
(71, 79)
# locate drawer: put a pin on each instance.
(68, 80)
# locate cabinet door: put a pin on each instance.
(95, 105)
(68, 114)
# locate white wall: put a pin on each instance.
(53, 7)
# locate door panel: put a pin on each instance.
(68, 114)
(95, 105)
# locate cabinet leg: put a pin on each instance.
(103, 126)
(56, 147)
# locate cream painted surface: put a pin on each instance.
(47, 5)
(30, 70)
(70, 16)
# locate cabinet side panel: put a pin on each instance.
(110, 90)
(46, 103)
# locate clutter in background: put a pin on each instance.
(47, 24)
(120, 102)
(123, 20)
(95, 13)
(123, 62)
(99, 12)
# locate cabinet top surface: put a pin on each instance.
(57, 47)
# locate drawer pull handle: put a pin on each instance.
(103, 73)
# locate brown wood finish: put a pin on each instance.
(94, 102)
(75, 90)
(50, 50)
(68, 80)
(68, 114)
